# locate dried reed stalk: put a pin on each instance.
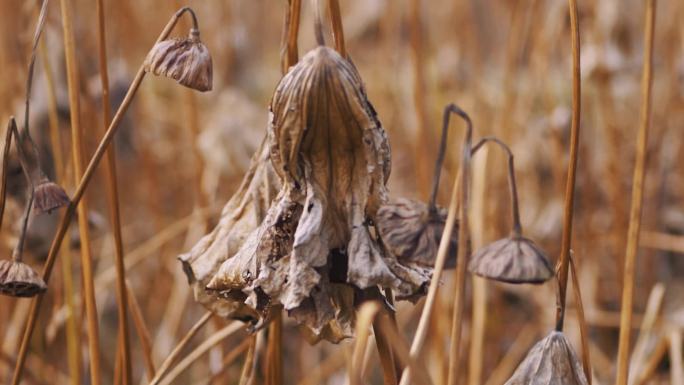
(337, 30)
(461, 258)
(73, 336)
(73, 80)
(212, 341)
(442, 252)
(364, 319)
(676, 363)
(142, 332)
(113, 202)
(479, 312)
(422, 138)
(564, 259)
(384, 351)
(637, 198)
(175, 353)
(78, 194)
(584, 333)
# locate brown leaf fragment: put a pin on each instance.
(515, 259)
(550, 362)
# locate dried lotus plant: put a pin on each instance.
(550, 361)
(185, 60)
(410, 229)
(315, 251)
(16, 278)
(514, 259)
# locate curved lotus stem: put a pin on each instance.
(517, 226)
(19, 249)
(448, 110)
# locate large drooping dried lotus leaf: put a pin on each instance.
(316, 248)
(550, 362)
(242, 214)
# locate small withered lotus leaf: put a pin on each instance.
(315, 246)
(550, 362)
(49, 196)
(412, 233)
(514, 259)
(185, 60)
(18, 279)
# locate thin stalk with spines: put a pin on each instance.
(564, 259)
(442, 252)
(78, 194)
(73, 79)
(113, 203)
(73, 337)
(461, 256)
(637, 197)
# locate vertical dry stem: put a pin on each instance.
(77, 153)
(422, 135)
(337, 30)
(584, 333)
(73, 336)
(564, 259)
(113, 202)
(637, 198)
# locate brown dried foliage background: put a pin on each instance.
(506, 63)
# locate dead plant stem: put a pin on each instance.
(566, 240)
(73, 79)
(637, 198)
(113, 202)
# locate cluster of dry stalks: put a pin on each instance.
(326, 236)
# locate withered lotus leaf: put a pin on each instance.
(411, 232)
(18, 279)
(550, 362)
(187, 61)
(316, 247)
(514, 259)
(49, 196)
(242, 214)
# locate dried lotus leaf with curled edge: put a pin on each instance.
(186, 61)
(316, 247)
(243, 213)
(550, 362)
(411, 232)
(515, 259)
(18, 279)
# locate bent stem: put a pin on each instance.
(78, 194)
(18, 252)
(517, 226)
(5, 164)
(456, 192)
(564, 258)
(637, 198)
